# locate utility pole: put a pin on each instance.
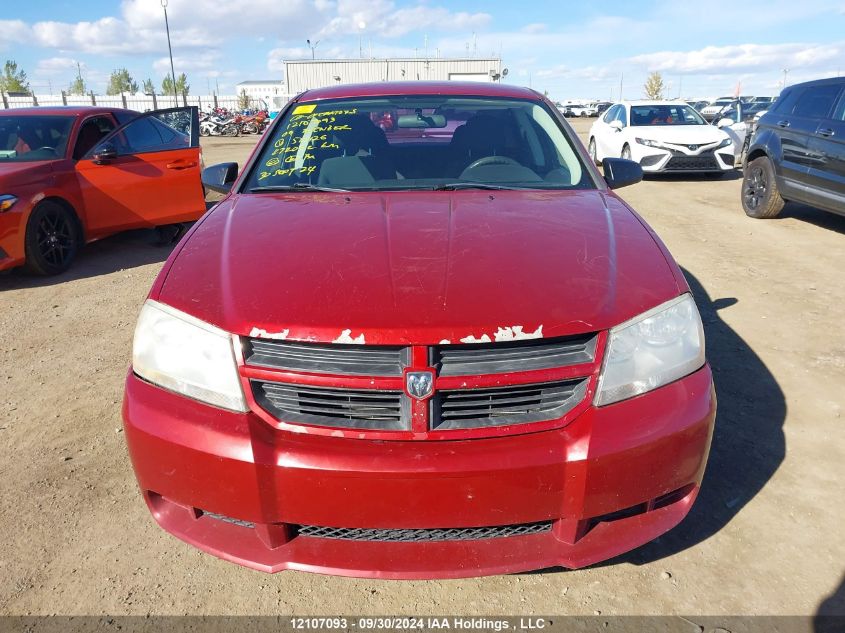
(785, 73)
(621, 77)
(170, 51)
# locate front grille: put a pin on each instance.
(225, 519)
(330, 406)
(703, 163)
(416, 535)
(361, 360)
(497, 358)
(500, 406)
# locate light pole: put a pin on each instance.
(313, 47)
(785, 73)
(170, 50)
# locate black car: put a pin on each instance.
(798, 151)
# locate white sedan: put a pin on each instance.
(662, 136)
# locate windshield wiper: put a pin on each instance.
(454, 186)
(297, 186)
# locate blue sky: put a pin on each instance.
(577, 50)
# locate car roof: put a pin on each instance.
(62, 111)
(654, 102)
(820, 82)
(395, 88)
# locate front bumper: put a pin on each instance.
(653, 160)
(12, 231)
(611, 480)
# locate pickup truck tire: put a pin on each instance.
(760, 195)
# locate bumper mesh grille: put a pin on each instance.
(415, 535)
(516, 404)
(330, 406)
(703, 163)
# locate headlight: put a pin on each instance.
(724, 143)
(652, 350)
(7, 202)
(179, 352)
(647, 142)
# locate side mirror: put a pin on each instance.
(104, 154)
(726, 122)
(616, 124)
(621, 172)
(220, 177)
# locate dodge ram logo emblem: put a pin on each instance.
(419, 384)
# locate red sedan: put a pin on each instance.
(71, 175)
(419, 355)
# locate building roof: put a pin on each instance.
(352, 60)
(256, 82)
(393, 88)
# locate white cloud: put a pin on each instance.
(722, 60)
(56, 66)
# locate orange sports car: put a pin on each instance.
(71, 175)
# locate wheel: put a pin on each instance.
(51, 240)
(231, 130)
(626, 152)
(204, 131)
(591, 148)
(760, 195)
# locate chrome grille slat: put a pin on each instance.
(411, 535)
(497, 358)
(337, 407)
(361, 360)
(478, 408)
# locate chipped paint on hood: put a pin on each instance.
(259, 333)
(346, 337)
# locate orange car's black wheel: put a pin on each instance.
(52, 239)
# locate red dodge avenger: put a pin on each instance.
(442, 349)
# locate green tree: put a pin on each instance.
(77, 87)
(149, 88)
(243, 100)
(654, 86)
(121, 81)
(12, 79)
(182, 85)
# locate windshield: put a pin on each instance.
(418, 142)
(669, 114)
(32, 138)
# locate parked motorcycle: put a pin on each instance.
(215, 125)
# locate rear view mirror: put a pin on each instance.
(616, 124)
(725, 122)
(220, 177)
(421, 120)
(105, 153)
(621, 172)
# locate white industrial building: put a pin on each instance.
(305, 74)
(263, 92)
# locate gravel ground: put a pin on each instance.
(765, 536)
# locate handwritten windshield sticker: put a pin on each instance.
(304, 109)
(304, 135)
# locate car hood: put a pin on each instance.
(679, 134)
(419, 268)
(15, 173)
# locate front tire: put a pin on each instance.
(52, 239)
(761, 198)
